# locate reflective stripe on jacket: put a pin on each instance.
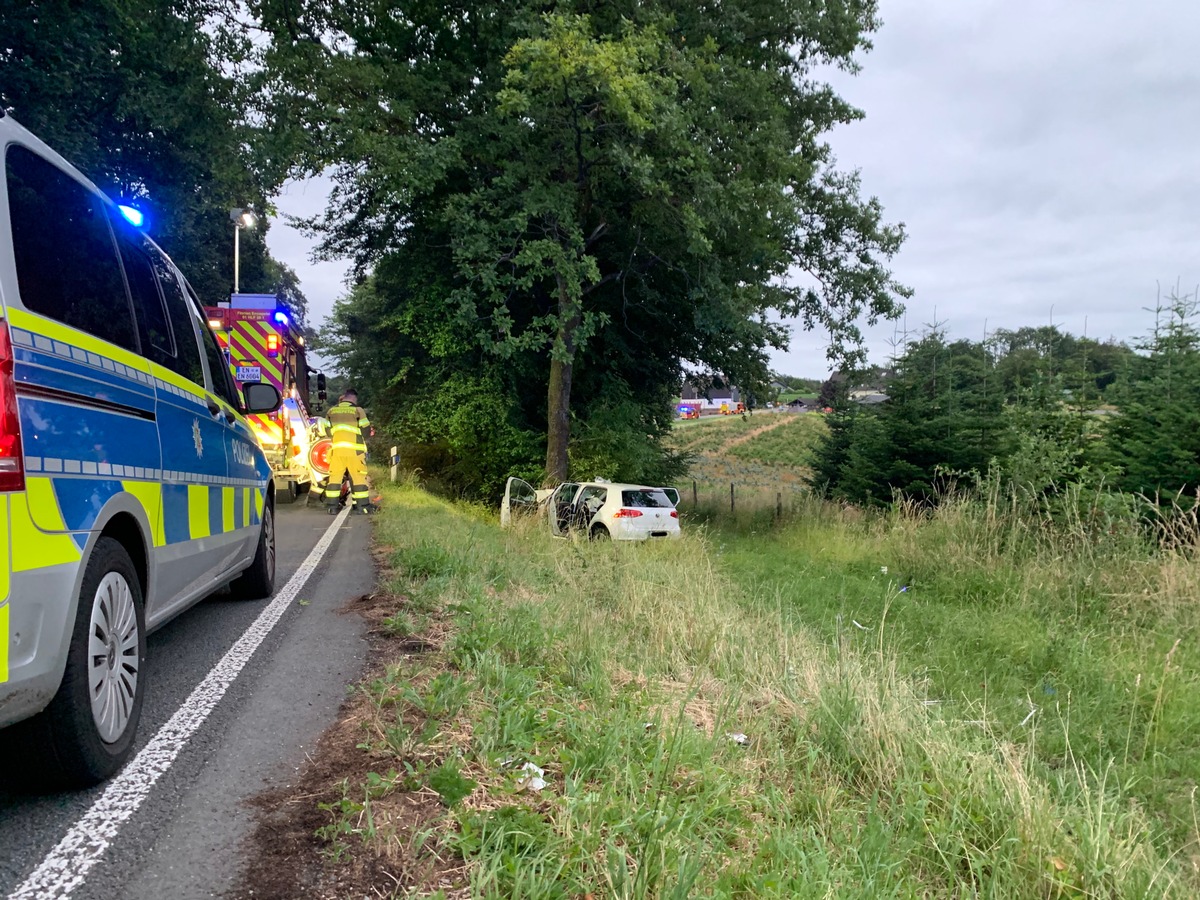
(346, 422)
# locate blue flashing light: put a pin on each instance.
(135, 216)
(281, 318)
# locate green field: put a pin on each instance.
(948, 706)
(789, 444)
(763, 456)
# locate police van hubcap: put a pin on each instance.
(112, 656)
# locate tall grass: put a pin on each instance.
(1070, 632)
(630, 675)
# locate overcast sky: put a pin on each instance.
(1042, 155)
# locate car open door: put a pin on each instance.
(672, 495)
(561, 507)
(520, 501)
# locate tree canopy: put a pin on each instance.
(1037, 407)
(146, 99)
(597, 195)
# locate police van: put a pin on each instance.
(131, 485)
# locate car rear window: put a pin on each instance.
(646, 499)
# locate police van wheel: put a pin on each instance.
(258, 581)
(86, 733)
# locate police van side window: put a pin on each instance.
(154, 327)
(186, 361)
(67, 264)
(218, 367)
(218, 362)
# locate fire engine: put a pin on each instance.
(263, 344)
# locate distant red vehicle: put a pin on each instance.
(687, 411)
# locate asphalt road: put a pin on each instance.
(185, 840)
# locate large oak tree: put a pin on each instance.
(621, 189)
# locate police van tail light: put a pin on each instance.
(12, 468)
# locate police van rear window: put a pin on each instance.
(67, 264)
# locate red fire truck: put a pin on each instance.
(263, 344)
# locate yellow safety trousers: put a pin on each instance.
(341, 460)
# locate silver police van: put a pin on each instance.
(131, 485)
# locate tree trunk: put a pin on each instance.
(558, 398)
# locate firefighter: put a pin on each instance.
(349, 454)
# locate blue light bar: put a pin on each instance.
(135, 216)
(281, 318)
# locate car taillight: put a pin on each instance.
(12, 467)
(674, 514)
(627, 513)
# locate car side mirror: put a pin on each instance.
(261, 397)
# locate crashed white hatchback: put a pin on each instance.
(597, 509)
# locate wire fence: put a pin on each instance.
(711, 499)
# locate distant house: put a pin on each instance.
(713, 397)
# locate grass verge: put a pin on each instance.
(696, 736)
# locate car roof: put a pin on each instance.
(619, 485)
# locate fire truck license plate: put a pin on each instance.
(249, 373)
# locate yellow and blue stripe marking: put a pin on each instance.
(98, 421)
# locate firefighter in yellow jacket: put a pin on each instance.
(349, 454)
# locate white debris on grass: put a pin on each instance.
(533, 779)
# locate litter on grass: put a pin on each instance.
(533, 779)
(1033, 711)
(738, 738)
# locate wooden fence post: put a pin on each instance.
(731, 496)
(695, 501)
(778, 504)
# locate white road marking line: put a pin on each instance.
(65, 867)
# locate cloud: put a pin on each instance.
(322, 282)
(1041, 156)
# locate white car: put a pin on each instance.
(598, 509)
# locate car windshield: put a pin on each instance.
(646, 499)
